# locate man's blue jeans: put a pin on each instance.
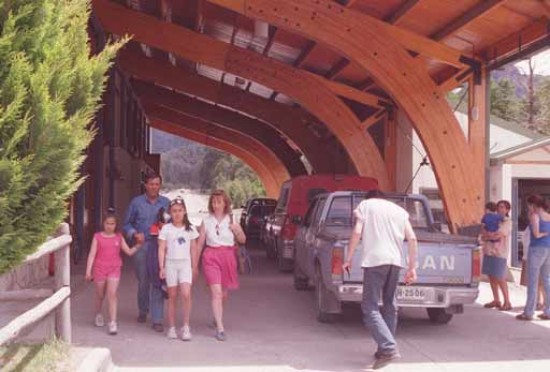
(381, 281)
(538, 265)
(147, 294)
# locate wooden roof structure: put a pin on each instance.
(326, 76)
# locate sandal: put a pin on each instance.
(523, 316)
(544, 317)
(492, 304)
(506, 307)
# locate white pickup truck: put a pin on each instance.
(448, 266)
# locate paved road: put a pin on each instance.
(271, 327)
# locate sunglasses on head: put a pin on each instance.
(176, 201)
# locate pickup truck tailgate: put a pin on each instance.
(440, 262)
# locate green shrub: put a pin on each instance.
(50, 88)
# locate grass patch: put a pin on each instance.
(47, 357)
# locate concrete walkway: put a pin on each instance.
(271, 327)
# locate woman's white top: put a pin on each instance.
(218, 233)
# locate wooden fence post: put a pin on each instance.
(63, 279)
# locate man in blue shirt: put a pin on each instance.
(143, 213)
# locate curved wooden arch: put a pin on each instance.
(300, 85)
(270, 184)
(324, 154)
(376, 47)
(264, 155)
(224, 118)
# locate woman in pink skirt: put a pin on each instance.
(219, 261)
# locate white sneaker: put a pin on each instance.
(113, 329)
(186, 333)
(172, 333)
(99, 321)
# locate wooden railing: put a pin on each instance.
(59, 301)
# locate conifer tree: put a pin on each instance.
(50, 89)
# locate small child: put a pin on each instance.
(103, 267)
(178, 262)
(491, 219)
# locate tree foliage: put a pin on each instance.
(50, 89)
(199, 167)
(504, 103)
(522, 99)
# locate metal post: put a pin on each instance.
(63, 279)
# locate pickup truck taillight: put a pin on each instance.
(289, 230)
(476, 265)
(337, 261)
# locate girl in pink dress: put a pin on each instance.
(221, 236)
(103, 267)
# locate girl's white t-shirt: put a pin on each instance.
(218, 233)
(178, 241)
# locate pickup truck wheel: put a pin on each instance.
(320, 293)
(438, 315)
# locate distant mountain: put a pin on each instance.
(162, 142)
(519, 80)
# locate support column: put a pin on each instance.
(479, 127)
(390, 148)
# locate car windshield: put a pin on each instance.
(261, 211)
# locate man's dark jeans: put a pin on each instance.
(381, 281)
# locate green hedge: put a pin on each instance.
(50, 88)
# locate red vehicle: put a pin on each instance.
(296, 195)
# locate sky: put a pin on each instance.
(542, 64)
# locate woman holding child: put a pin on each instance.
(221, 235)
(495, 253)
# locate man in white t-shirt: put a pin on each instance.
(382, 226)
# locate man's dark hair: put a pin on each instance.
(491, 206)
(374, 194)
(151, 176)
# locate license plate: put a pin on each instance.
(411, 293)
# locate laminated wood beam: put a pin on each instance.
(291, 122)
(262, 153)
(382, 50)
(308, 91)
(269, 181)
(225, 118)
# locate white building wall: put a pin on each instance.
(500, 139)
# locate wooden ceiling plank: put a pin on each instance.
(401, 12)
(471, 14)
(511, 44)
(408, 39)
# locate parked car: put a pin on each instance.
(255, 219)
(252, 202)
(296, 195)
(448, 265)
